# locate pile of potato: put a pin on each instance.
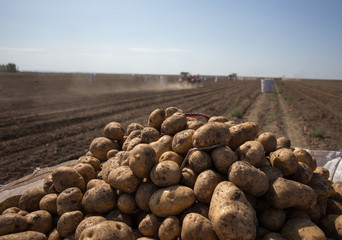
(181, 178)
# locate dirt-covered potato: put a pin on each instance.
(285, 160)
(171, 200)
(272, 173)
(223, 158)
(182, 141)
(86, 171)
(141, 160)
(143, 195)
(156, 119)
(303, 174)
(323, 171)
(327, 224)
(230, 213)
(172, 156)
(149, 225)
(221, 119)
(205, 185)
(68, 223)
(251, 151)
(126, 203)
(99, 199)
(114, 131)
(123, 179)
(117, 215)
(107, 230)
(283, 142)
(199, 161)
(149, 134)
(268, 141)
(163, 144)
(334, 207)
(242, 133)
(169, 229)
(165, 174)
(29, 200)
(111, 153)
(93, 161)
(101, 145)
(15, 210)
(12, 223)
(338, 225)
(197, 227)
(298, 229)
(272, 219)
(134, 142)
(48, 184)
(93, 183)
(174, 124)
(39, 221)
(284, 193)
(67, 177)
(169, 111)
(193, 123)
(305, 157)
(248, 178)
(188, 177)
(321, 186)
(337, 195)
(49, 203)
(130, 137)
(132, 127)
(88, 222)
(69, 200)
(25, 236)
(211, 134)
(200, 208)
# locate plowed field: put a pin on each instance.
(47, 119)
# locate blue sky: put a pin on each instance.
(292, 38)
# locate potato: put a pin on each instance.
(188, 177)
(230, 213)
(133, 126)
(171, 200)
(165, 174)
(156, 119)
(67, 177)
(114, 131)
(327, 224)
(272, 173)
(93, 183)
(171, 110)
(283, 142)
(211, 134)
(298, 229)
(12, 201)
(169, 229)
(182, 141)
(305, 157)
(49, 203)
(93, 161)
(196, 227)
(223, 158)
(130, 137)
(221, 119)
(99, 199)
(48, 184)
(285, 160)
(323, 171)
(141, 160)
(15, 210)
(297, 213)
(39, 221)
(68, 223)
(321, 186)
(318, 211)
(69, 200)
(149, 134)
(143, 194)
(193, 123)
(86, 171)
(134, 142)
(171, 156)
(334, 207)
(100, 146)
(149, 225)
(24, 236)
(200, 208)
(107, 230)
(230, 123)
(337, 195)
(12, 223)
(248, 178)
(205, 185)
(284, 193)
(338, 225)
(117, 215)
(174, 124)
(111, 153)
(29, 200)
(123, 179)
(251, 151)
(126, 203)
(242, 133)
(272, 219)
(164, 144)
(303, 174)
(199, 161)
(268, 141)
(88, 222)
(273, 236)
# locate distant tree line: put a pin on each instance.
(10, 67)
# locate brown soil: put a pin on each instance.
(47, 119)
